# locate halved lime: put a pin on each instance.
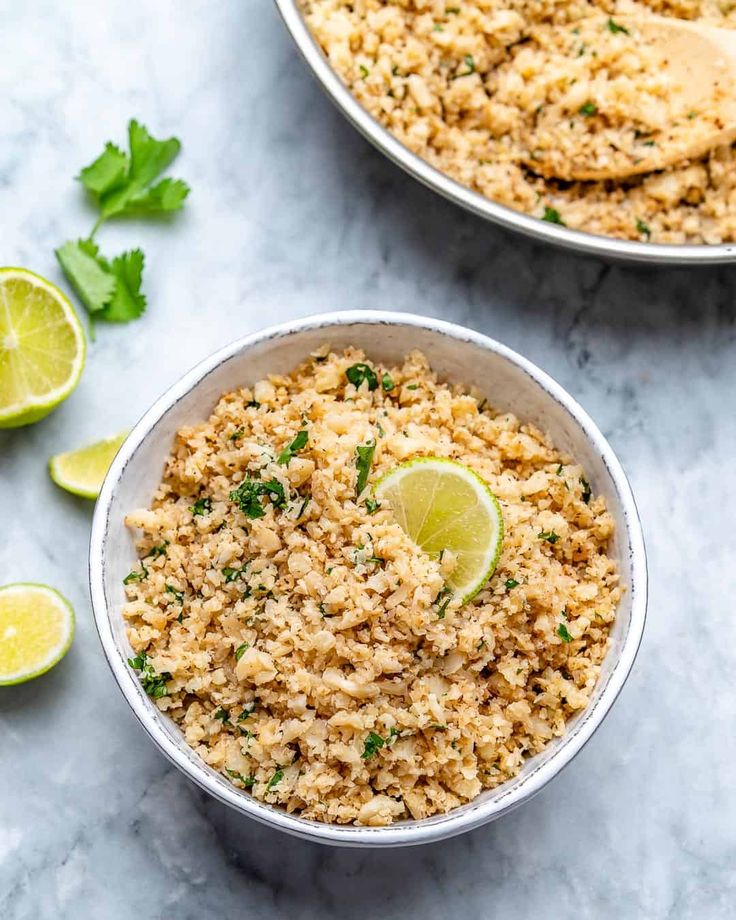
(443, 505)
(42, 347)
(82, 471)
(36, 629)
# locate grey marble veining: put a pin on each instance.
(291, 213)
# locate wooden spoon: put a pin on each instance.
(698, 66)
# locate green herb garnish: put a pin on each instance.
(371, 505)
(231, 574)
(136, 576)
(358, 373)
(643, 228)
(237, 434)
(511, 583)
(363, 460)
(201, 507)
(240, 651)
(549, 535)
(443, 599)
(249, 493)
(248, 781)
(222, 715)
(121, 184)
(615, 28)
(364, 71)
(299, 443)
(275, 780)
(373, 743)
(248, 710)
(154, 684)
(177, 595)
(552, 216)
(159, 550)
(588, 109)
(387, 382)
(563, 633)
(586, 493)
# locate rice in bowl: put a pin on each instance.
(293, 632)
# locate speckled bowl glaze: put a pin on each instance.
(511, 383)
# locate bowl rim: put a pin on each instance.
(533, 227)
(400, 834)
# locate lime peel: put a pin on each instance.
(444, 505)
(42, 347)
(83, 471)
(36, 630)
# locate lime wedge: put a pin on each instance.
(36, 629)
(443, 505)
(42, 347)
(82, 471)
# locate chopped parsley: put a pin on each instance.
(240, 651)
(615, 28)
(275, 780)
(586, 490)
(588, 108)
(222, 715)
(643, 228)
(363, 459)
(136, 576)
(549, 535)
(157, 551)
(359, 373)
(387, 382)
(154, 684)
(177, 595)
(248, 781)
(249, 493)
(372, 505)
(237, 434)
(552, 216)
(563, 633)
(201, 506)
(299, 443)
(511, 583)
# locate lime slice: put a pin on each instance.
(42, 347)
(36, 629)
(443, 505)
(82, 471)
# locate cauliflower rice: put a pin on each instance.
(293, 631)
(480, 90)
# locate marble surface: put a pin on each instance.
(291, 213)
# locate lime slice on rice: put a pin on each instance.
(82, 471)
(36, 629)
(443, 505)
(42, 347)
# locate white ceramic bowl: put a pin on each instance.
(511, 383)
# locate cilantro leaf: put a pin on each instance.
(275, 780)
(154, 684)
(299, 443)
(372, 744)
(109, 290)
(87, 274)
(127, 302)
(363, 459)
(201, 507)
(107, 171)
(250, 491)
(563, 633)
(549, 535)
(357, 373)
(123, 183)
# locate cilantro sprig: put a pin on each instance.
(121, 184)
(363, 460)
(291, 450)
(154, 684)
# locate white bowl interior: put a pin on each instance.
(457, 355)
